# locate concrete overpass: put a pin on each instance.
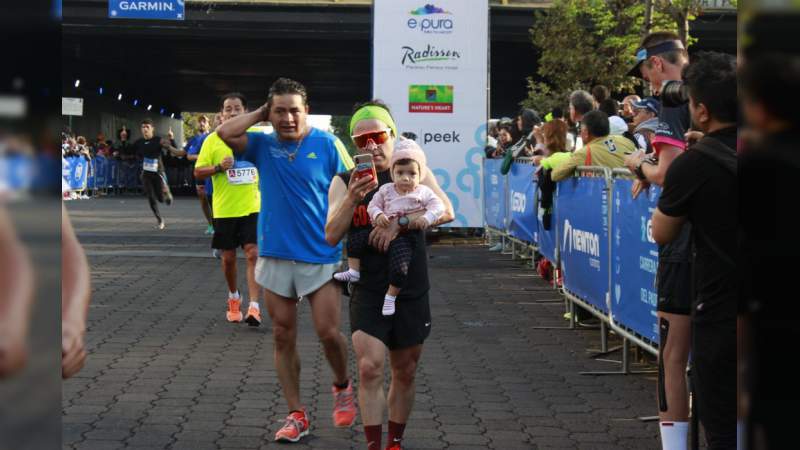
(244, 45)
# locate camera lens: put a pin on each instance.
(674, 93)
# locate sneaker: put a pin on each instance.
(294, 428)
(496, 247)
(394, 447)
(344, 408)
(216, 253)
(234, 314)
(161, 224)
(210, 229)
(253, 316)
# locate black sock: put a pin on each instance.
(342, 386)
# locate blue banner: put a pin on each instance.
(146, 9)
(75, 170)
(522, 222)
(634, 256)
(17, 172)
(101, 166)
(583, 229)
(546, 239)
(495, 194)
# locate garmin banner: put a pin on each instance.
(583, 234)
(146, 9)
(75, 171)
(522, 224)
(634, 256)
(496, 195)
(430, 64)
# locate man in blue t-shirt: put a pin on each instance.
(296, 164)
(204, 188)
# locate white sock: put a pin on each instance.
(233, 295)
(354, 272)
(254, 304)
(673, 435)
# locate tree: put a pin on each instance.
(588, 42)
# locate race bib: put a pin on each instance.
(242, 172)
(150, 164)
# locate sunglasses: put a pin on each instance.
(378, 137)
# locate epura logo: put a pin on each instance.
(430, 57)
(582, 241)
(433, 22)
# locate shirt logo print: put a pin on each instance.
(311, 155)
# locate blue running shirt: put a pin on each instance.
(294, 194)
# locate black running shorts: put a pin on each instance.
(232, 232)
(409, 326)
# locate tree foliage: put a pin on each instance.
(588, 42)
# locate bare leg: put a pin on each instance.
(401, 391)
(676, 356)
(370, 356)
(283, 312)
(201, 195)
(229, 268)
(251, 250)
(354, 263)
(326, 315)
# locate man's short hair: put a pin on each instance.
(609, 106)
(711, 79)
(283, 86)
(596, 123)
(230, 95)
(600, 93)
(581, 101)
(768, 78)
(658, 37)
(147, 121)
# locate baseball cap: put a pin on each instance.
(617, 125)
(645, 52)
(648, 103)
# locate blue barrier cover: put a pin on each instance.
(522, 223)
(495, 209)
(75, 170)
(101, 166)
(90, 177)
(634, 256)
(546, 239)
(18, 171)
(147, 9)
(583, 229)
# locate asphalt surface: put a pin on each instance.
(167, 371)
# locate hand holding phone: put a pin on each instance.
(364, 166)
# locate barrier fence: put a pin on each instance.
(101, 174)
(599, 238)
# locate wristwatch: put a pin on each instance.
(403, 222)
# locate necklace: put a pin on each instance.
(291, 156)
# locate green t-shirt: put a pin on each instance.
(236, 191)
(555, 160)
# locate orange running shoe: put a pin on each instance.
(344, 408)
(253, 316)
(394, 447)
(294, 428)
(233, 314)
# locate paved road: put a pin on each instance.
(167, 371)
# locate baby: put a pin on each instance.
(396, 200)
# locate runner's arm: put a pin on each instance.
(234, 131)
(342, 201)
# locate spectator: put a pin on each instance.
(601, 149)
(101, 147)
(82, 148)
(122, 148)
(504, 140)
(551, 139)
(645, 122)
(701, 188)
(600, 94)
(610, 107)
(627, 106)
(768, 169)
(580, 103)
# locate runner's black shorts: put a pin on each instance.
(232, 232)
(674, 275)
(409, 326)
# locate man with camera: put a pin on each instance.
(659, 61)
(700, 188)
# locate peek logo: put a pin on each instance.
(433, 23)
(427, 98)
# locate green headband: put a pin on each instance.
(373, 112)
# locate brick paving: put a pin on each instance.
(167, 372)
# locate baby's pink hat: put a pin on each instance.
(408, 149)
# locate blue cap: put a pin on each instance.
(648, 103)
(643, 53)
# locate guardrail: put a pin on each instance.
(599, 238)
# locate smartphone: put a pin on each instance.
(364, 166)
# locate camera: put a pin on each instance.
(674, 94)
